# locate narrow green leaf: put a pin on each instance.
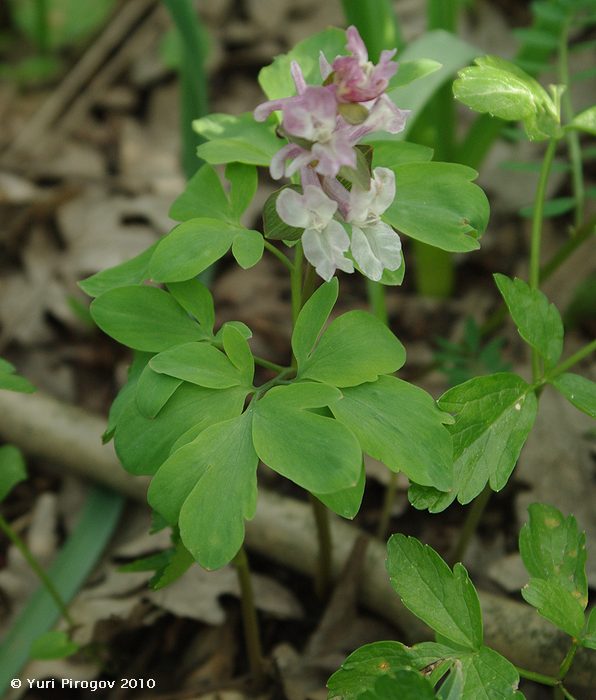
(551, 208)
(557, 604)
(356, 347)
(346, 503)
(444, 599)
(204, 197)
(178, 563)
(12, 469)
(243, 181)
(143, 444)
(400, 425)
(238, 350)
(553, 548)
(54, 644)
(494, 415)
(329, 461)
(191, 248)
(452, 215)
(580, 391)
(362, 668)
(247, 248)
(194, 297)
(538, 321)
(144, 318)
(153, 391)
(312, 318)
(239, 139)
(197, 363)
(210, 485)
(133, 271)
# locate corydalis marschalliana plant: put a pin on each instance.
(324, 125)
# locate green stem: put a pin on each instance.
(573, 360)
(376, 299)
(538, 677)
(377, 24)
(390, 491)
(572, 137)
(433, 271)
(537, 216)
(566, 693)
(296, 282)
(568, 660)
(324, 576)
(41, 574)
(471, 522)
(252, 635)
(42, 26)
(262, 362)
(279, 255)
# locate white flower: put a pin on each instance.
(324, 240)
(375, 245)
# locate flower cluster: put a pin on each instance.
(323, 124)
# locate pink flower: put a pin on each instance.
(356, 79)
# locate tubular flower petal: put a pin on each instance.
(356, 79)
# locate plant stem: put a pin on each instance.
(41, 574)
(323, 577)
(537, 677)
(568, 660)
(279, 255)
(377, 23)
(296, 282)
(269, 365)
(471, 522)
(536, 236)
(573, 360)
(376, 299)
(572, 137)
(390, 491)
(42, 26)
(252, 636)
(433, 271)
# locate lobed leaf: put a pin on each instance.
(404, 685)
(243, 181)
(144, 318)
(585, 121)
(538, 321)
(446, 600)
(451, 215)
(238, 350)
(400, 425)
(312, 318)
(133, 271)
(557, 604)
(194, 297)
(329, 461)
(153, 391)
(580, 391)
(346, 503)
(247, 248)
(204, 197)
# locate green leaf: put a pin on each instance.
(538, 322)
(204, 197)
(243, 181)
(589, 636)
(362, 668)
(451, 215)
(504, 90)
(403, 685)
(54, 644)
(400, 425)
(446, 600)
(389, 152)
(178, 562)
(274, 227)
(409, 71)
(488, 675)
(153, 391)
(126, 393)
(552, 548)
(276, 80)
(210, 484)
(580, 391)
(244, 330)
(195, 299)
(13, 382)
(391, 278)
(494, 415)
(144, 318)
(346, 503)
(12, 469)
(238, 350)
(356, 347)
(143, 444)
(556, 604)
(247, 248)
(446, 48)
(191, 248)
(551, 208)
(312, 318)
(585, 121)
(133, 271)
(328, 461)
(197, 363)
(240, 139)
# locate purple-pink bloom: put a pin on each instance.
(357, 79)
